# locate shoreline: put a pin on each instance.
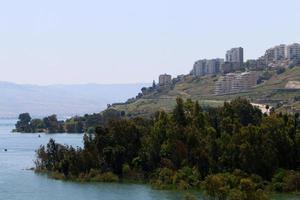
(59, 176)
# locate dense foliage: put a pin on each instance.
(77, 124)
(286, 181)
(229, 151)
(234, 186)
(26, 124)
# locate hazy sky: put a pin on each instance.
(128, 41)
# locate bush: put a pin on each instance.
(90, 130)
(190, 176)
(286, 181)
(125, 169)
(163, 178)
(280, 70)
(215, 186)
(57, 176)
(96, 176)
(236, 194)
(183, 179)
(293, 182)
(189, 196)
(105, 177)
(235, 186)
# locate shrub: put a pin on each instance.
(236, 194)
(185, 178)
(163, 178)
(187, 175)
(105, 177)
(215, 186)
(57, 176)
(189, 196)
(293, 182)
(236, 186)
(286, 181)
(280, 70)
(90, 130)
(125, 169)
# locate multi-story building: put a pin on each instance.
(234, 60)
(261, 63)
(282, 55)
(228, 67)
(236, 82)
(205, 67)
(244, 81)
(256, 64)
(214, 65)
(165, 79)
(269, 55)
(280, 52)
(199, 68)
(293, 51)
(235, 55)
(224, 84)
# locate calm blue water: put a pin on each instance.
(19, 183)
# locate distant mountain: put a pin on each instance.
(63, 100)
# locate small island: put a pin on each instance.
(77, 124)
(230, 152)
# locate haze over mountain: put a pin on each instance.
(63, 100)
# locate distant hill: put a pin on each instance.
(272, 92)
(63, 100)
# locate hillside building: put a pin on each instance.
(280, 52)
(269, 55)
(224, 84)
(235, 55)
(199, 68)
(234, 60)
(207, 67)
(228, 67)
(235, 82)
(165, 79)
(293, 51)
(282, 55)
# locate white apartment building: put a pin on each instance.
(282, 55)
(236, 82)
(199, 68)
(293, 51)
(235, 55)
(214, 65)
(280, 52)
(206, 67)
(224, 84)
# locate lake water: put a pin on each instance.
(19, 183)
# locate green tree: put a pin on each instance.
(37, 125)
(179, 113)
(23, 124)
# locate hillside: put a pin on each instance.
(271, 92)
(63, 100)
